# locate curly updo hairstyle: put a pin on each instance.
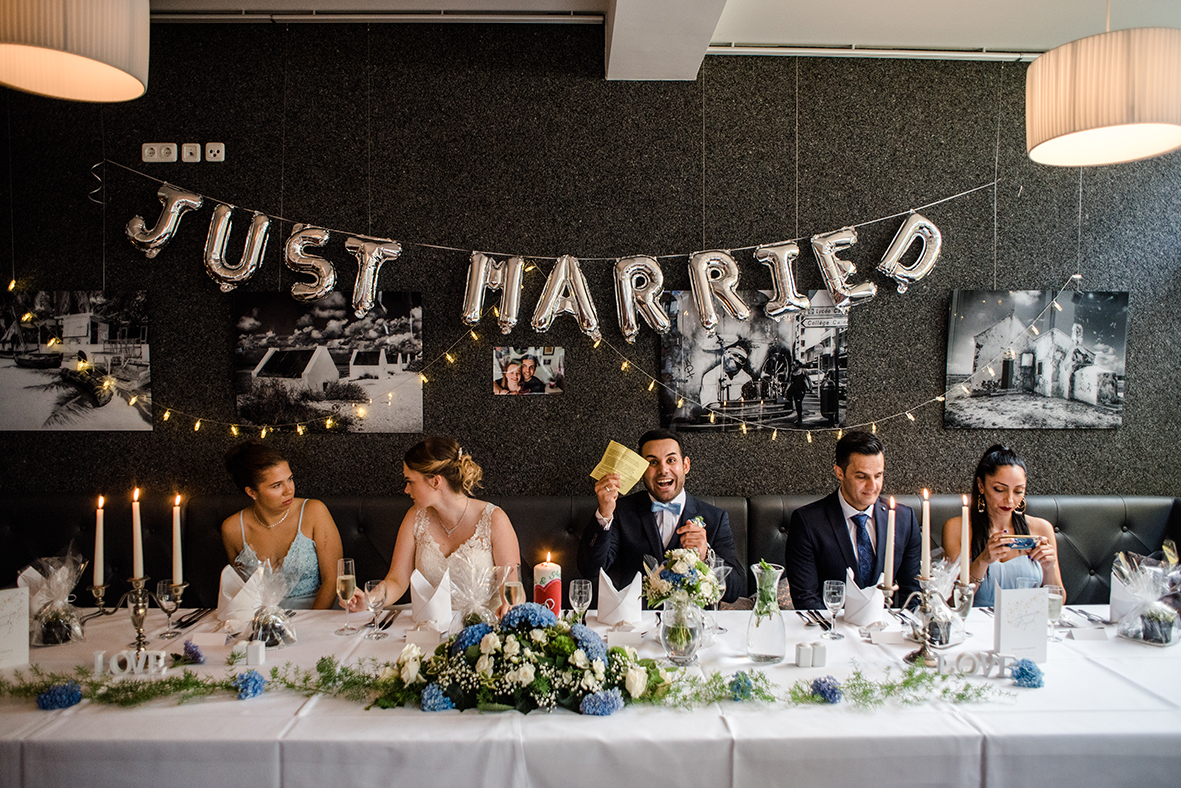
(439, 456)
(248, 462)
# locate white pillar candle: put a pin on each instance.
(137, 538)
(926, 567)
(177, 568)
(890, 546)
(965, 543)
(547, 585)
(99, 544)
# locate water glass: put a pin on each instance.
(580, 598)
(834, 600)
(375, 601)
(168, 602)
(1057, 599)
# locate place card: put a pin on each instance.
(621, 637)
(425, 639)
(208, 639)
(1021, 622)
(14, 627)
(883, 637)
(1091, 633)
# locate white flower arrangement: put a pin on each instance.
(682, 570)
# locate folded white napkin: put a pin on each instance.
(620, 607)
(238, 599)
(863, 606)
(1122, 601)
(431, 606)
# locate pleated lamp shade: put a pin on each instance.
(1110, 98)
(82, 50)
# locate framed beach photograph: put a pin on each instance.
(301, 363)
(528, 370)
(760, 372)
(75, 360)
(1023, 359)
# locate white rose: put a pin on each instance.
(411, 651)
(512, 646)
(526, 674)
(489, 643)
(680, 566)
(389, 673)
(579, 659)
(599, 668)
(527, 653)
(632, 654)
(589, 682)
(410, 671)
(636, 681)
(539, 636)
(484, 664)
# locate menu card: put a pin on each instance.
(14, 627)
(1021, 622)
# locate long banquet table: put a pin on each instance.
(1110, 714)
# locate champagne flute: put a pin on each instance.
(168, 603)
(346, 586)
(580, 598)
(375, 601)
(506, 575)
(834, 599)
(1057, 598)
(514, 591)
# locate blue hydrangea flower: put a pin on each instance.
(741, 686)
(827, 688)
(1026, 673)
(602, 704)
(470, 636)
(589, 641)
(60, 696)
(192, 653)
(249, 684)
(434, 699)
(529, 615)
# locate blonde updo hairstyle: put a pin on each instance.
(439, 456)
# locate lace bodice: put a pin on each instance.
(469, 561)
(300, 566)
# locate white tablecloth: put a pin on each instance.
(1110, 714)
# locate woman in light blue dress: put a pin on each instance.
(996, 516)
(297, 535)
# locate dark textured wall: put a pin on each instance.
(507, 139)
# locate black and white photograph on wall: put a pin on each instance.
(303, 363)
(1023, 359)
(768, 374)
(528, 370)
(75, 360)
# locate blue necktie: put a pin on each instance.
(675, 508)
(865, 555)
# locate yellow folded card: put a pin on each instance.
(622, 460)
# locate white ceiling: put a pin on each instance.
(667, 39)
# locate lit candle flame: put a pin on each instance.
(135, 495)
(547, 558)
(891, 501)
(926, 494)
(100, 502)
(177, 501)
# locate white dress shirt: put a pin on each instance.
(849, 511)
(666, 521)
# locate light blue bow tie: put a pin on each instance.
(675, 508)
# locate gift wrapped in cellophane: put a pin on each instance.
(271, 624)
(53, 619)
(1153, 585)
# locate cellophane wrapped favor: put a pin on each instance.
(1152, 583)
(271, 624)
(944, 626)
(53, 619)
(473, 591)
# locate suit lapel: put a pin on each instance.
(840, 532)
(648, 523)
(688, 512)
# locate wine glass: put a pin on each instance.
(168, 602)
(375, 601)
(834, 598)
(580, 598)
(507, 575)
(721, 572)
(346, 586)
(1057, 598)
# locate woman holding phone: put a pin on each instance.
(997, 521)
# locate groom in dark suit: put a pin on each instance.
(661, 517)
(847, 529)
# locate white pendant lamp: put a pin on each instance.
(82, 50)
(1106, 99)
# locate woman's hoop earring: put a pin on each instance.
(980, 504)
(1021, 509)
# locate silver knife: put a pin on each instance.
(807, 621)
(390, 619)
(821, 620)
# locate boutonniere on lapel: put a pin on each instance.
(698, 521)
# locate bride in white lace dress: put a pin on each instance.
(446, 528)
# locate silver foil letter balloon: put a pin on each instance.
(837, 271)
(916, 228)
(786, 298)
(715, 273)
(303, 236)
(566, 292)
(484, 272)
(638, 284)
(370, 254)
(176, 202)
(226, 275)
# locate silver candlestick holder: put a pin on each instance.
(138, 600)
(888, 592)
(922, 627)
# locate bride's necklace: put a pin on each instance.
(263, 522)
(458, 522)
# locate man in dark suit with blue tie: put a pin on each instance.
(848, 529)
(661, 517)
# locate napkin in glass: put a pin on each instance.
(430, 606)
(238, 599)
(863, 606)
(622, 606)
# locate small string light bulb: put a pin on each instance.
(623, 367)
(422, 377)
(361, 412)
(840, 434)
(450, 358)
(234, 430)
(681, 402)
(991, 371)
(775, 435)
(132, 400)
(12, 285)
(965, 388)
(167, 415)
(711, 417)
(1035, 331)
(910, 415)
(809, 436)
(299, 428)
(475, 336)
(874, 428)
(263, 433)
(744, 428)
(940, 398)
(651, 384)
(197, 425)
(1056, 305)
(597, 342)
(328, 423)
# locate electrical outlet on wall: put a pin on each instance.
(190, 151)
(158, 151)
(215, 151)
